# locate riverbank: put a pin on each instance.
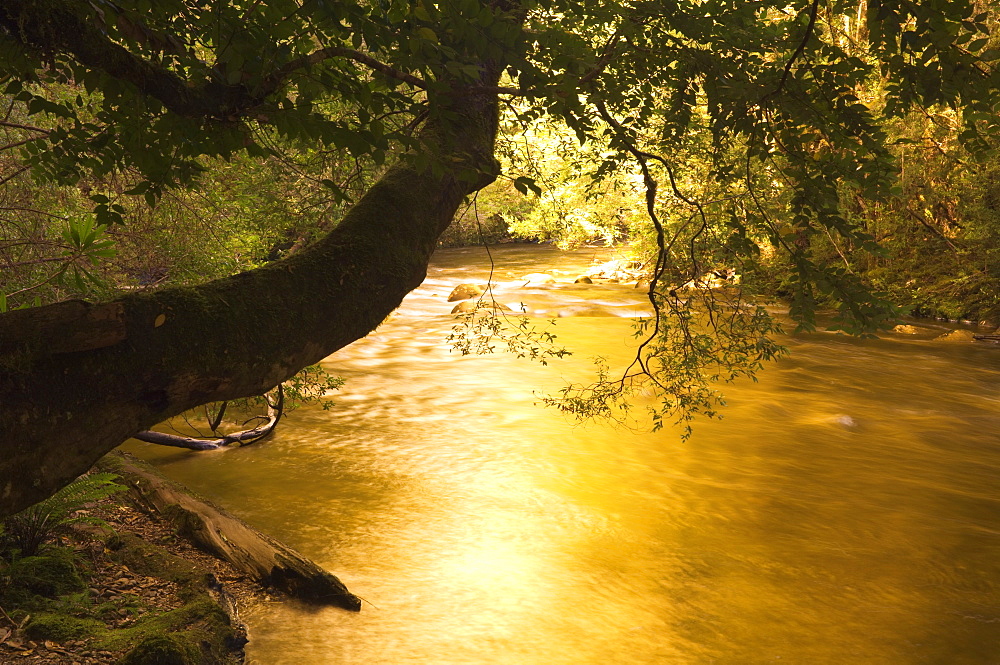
(132, 593)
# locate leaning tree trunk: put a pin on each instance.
(77, 379)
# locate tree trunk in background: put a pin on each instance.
(76, 379)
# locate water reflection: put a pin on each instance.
(845, 510)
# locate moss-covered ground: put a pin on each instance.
(137, 595)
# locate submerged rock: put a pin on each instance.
(536, 279)
(467, 306)
(956, 336)
(713, 279)
(585, 310)
(617, 271)
(846, 421)
(905, 329)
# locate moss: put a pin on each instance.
(162, 650)
(197, 633)
(50, 574)
(61, 627)
(147, 559)
(18, 615)
(202, 617)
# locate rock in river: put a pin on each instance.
(467, 306)
(956, 336)
(464, 291)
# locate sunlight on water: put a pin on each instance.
(845, 510)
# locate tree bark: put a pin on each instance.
(78, 379)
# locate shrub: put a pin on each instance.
(29, 529)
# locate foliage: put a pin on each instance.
(760, 135)
(31, 528)
(488, 329)
(710, 336)
(485, 220)
(238, 215)
(572, 204)
(310, 386)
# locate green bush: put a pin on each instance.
(29, 529)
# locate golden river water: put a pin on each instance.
(846, 509)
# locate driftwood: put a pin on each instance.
(244, 438)
(986, 338)
(229, 538)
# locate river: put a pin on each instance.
(846, 509)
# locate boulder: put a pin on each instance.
(956, 336)
(583, 279)
(623, 271)
(465, 291)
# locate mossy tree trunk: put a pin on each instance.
(77, 379)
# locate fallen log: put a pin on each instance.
(223, 535)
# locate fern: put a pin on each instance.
(33, 526)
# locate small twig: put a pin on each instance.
(214, 423)
(6, 616)
(14, 174)
(244, 438)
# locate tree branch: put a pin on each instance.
(813, 10)
(15, 144)
(244, 438)
(17, 125)
(341, 52)
(32, 23)
(24, 20)
(14, 174)
(68, 398)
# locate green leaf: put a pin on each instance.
(523, 184)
